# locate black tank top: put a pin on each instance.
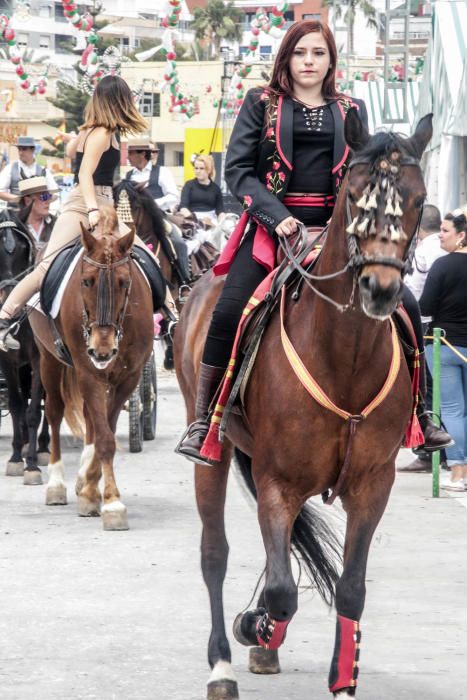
(109, 161)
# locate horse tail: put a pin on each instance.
(314, 543)
(73, 401)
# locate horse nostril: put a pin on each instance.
(367, 283)
(90, 352)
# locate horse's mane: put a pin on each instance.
(383, 142)
(144, 198)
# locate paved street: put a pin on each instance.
(88, 614)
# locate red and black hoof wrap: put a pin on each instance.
(344, 666)
(270, 633)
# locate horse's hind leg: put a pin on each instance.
(364, 512)
(210, 485)
(51, 371)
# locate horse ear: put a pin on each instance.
(355, 132)
(126, 241)
(422, 135)
(87, 239)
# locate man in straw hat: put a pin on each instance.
(34, 205)
(21, 169)
(159, 180)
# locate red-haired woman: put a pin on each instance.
(286, 160)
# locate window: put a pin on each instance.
(150, 104)
(22, 40)
(314, 15)
(178, 158)
(64, 43)
(60, 13)
(45, 11)
(243, 50)
(44, 42)
(265, 50)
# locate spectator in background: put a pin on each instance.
(21, 169)
(34, 204)
(159, 180)
(202, 196)
(428, 250)
(444, 298)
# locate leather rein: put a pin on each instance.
(105, 298)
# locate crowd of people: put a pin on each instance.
(312, 118)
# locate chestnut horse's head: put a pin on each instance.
(385, 195)
(105, 287)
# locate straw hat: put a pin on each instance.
(26, 142)
(139, 144)
(34, 185)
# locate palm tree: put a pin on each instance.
(349, 8)
(218, 20)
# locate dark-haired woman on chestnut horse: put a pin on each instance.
(350, 362)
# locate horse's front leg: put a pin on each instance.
(32, 473)
(364, 510)
(210, 485)
(51, 372)
(114, 513)
(266, 627)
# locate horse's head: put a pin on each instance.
(385, 195)
(17, 252)
(135, 205)
(105, 287)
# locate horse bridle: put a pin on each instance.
(357, 260)
(105, 299)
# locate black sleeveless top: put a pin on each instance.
(109, 161)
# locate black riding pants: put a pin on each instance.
(243, 278)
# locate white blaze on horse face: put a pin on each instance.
(222, 671)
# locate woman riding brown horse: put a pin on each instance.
(105, 322)
(335, 341)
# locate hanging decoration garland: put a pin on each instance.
(262, 22)
(179, 103)
(15, 56)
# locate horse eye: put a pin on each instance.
(124, 284)
(86, 282)
(419, 202)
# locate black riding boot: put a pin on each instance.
(7, 342)
(192, 441)
(435, 438)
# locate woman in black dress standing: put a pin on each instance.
(202, 196)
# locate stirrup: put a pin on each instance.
(196, 459)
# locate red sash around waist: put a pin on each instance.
(309, 200)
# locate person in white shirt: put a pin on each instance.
(428, 250)
(161, 186)
(35, 201)
(159, 180)
(21, 169)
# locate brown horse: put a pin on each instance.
(106, 322)
(290, 446)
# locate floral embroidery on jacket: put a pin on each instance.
(276, 176)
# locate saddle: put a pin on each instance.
(67, 258)
(61, 264)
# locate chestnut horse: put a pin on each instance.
(339, 325)
(106, 323)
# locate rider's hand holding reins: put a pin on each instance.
(287, 227)
(94, 217)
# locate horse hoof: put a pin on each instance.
(264, 661)
(32, 477)
(15, 468)
(115, 516)
(79, 485)
(56, 496)
(223, 690)
(244, 627)
(87, 508)
(43, 459)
